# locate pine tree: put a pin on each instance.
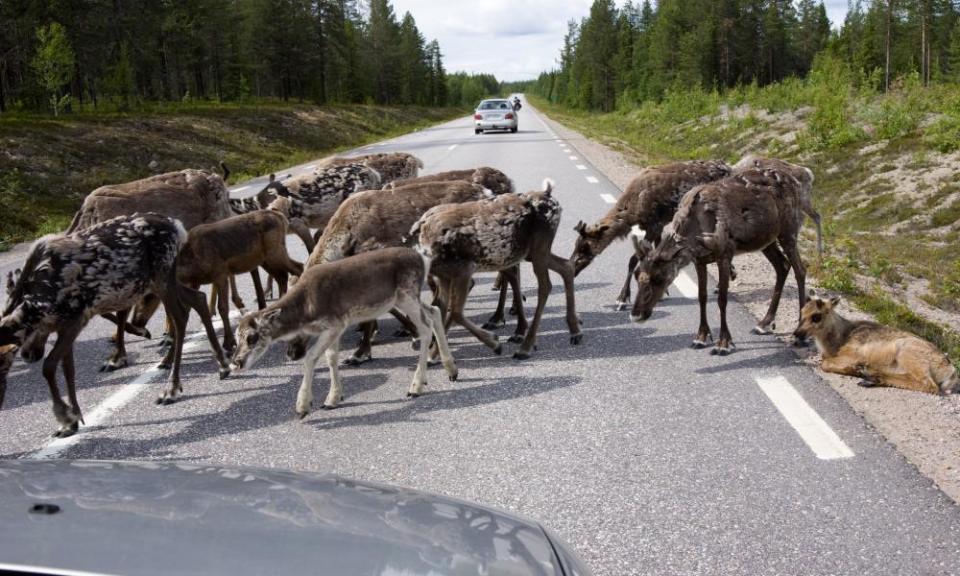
(53, 63)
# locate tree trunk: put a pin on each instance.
(886, 68)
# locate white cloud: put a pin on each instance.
(512, 39)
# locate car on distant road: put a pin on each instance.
(495, 114)
(99, 517)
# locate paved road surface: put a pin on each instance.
(647, 456)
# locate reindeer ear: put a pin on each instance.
(580, 227)
(834, 301)
(811, 293)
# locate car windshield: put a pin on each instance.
(494, 105)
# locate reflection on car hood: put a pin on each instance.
(167, 518)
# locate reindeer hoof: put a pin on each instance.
(621, 305)
(576, 339)
(520, 355)
(498, 350)
(698, 344)
(357, 360)
(330, 406)
(721, 350)
(515, 339)
(801, 342)
(163, 366)
(165, 400)
(453, 377)
(111, 365)
(493, 324)
(224, 373)
(761, 330)
(414, 394)
(401, 333)
(415, 344)
(67, 431)
(866, 383)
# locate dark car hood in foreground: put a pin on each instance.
(165, 518)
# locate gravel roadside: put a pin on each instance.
(925, 429)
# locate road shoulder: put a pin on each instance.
(925, 429)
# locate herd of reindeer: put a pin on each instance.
(378, 234)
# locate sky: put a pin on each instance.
(511, 39)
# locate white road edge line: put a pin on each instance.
(574, 158)
(452, 146)
(239, 188)
(581, 167)
(592, 180)
(609, 198)
(818, 435)
(116, 401)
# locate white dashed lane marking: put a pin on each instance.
(592, 180)
(581, 167)
(686, 285)
(818, 435)
(574, 158)
(452, 146)
(609, 198)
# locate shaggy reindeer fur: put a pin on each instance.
(8, 353)
(379, 219)
(190, 196)
(753, 210)
(496, 235)
(318, 195)
(490, 178)
(649, 202)
(802, 174)
(881, 355)
(104, 268)
(327, 299)
(390, 166)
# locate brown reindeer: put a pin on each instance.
(390, 166)
(490, 178)
(648, 202)
(753, 210)
(380, 219)
(495, 236)
(8, 353)
(107, 267)
(880, 355)
(331, 296)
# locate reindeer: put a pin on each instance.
(496, 235)
(753, 210)
(331, 296)
(880, 355)
(379, 219)
(8, 353)
(648, 202)
(390, 166)
(104, 268)
(490, 178)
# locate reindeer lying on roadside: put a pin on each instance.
(649, 202)
(495, 236)
(880, 355)
(379, 219)
(104, 268)
(331, 296)
(749, 211)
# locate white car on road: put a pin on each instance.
(495, 114)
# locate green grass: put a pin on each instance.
(54, 162)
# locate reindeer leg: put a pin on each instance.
(512, 276)
(119, 357)
(564, 268)
(780, 266)
(435, 324)
(623, 300)
(725, 343)
(69, 374)
(298, 227)
(800, 274)
(460, 288)
(703, 333)
(543, 293)
(408, 327)
(67, 416)
(258, 288)
(223, 307)
(305, 393)
(364, 351)
(498, 319)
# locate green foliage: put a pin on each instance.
(127, 55)
(469, 89)
(53, 63)
(830, 124)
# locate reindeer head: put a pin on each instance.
(654, 275)
(493, 180)
(7, 353)
(817, 317)
(254, 335)
(589, 244)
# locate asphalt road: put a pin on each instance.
(647, 456)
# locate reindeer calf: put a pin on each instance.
(327, 299)
(881, 355)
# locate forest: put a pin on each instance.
(88, 55)
(619, 57)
